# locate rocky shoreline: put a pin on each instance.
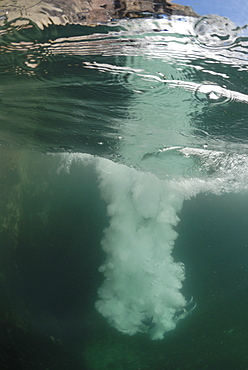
(89, 12)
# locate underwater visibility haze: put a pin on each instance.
(124, 168)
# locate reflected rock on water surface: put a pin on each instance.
(90, 12)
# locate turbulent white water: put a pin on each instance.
(142, 282)
(141, 279)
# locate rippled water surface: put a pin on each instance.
(124, 170)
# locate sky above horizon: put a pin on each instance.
(236, 10)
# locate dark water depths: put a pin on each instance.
(110, 136)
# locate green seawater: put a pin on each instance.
(123, 182)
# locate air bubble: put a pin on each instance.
(215, 31)
(213, 94)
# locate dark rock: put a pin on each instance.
(89, 12)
